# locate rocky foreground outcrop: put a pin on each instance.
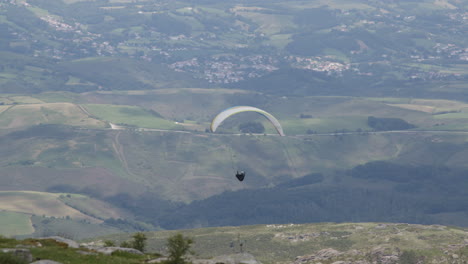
(22, 251)
(378, 255)
(325, 243)
(330, 255)
(46, 261)
(240, 258)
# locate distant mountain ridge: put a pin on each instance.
(374, 48)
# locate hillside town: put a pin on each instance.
(77, 40)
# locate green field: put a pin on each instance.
(38, 203)
(130, 116)
(25, 100)
(280, 40)
(75, 229)
(12, 223)
(75, 215)
(268, 24)
(29, 114)
(326, 125)
(329, 113)
(91, 207)
(58, 97)
(58, 205)
(452, 116)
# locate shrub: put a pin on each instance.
(252, 127)
(126, 244)
(178, 247)
(6, 258)
(385, 124)
(139, 241)
(109, 243)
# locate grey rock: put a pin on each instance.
(86, 252)
(158, 260)
(46, 261)
(328, 253)
(324, 254)
(381, 226)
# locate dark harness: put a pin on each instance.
(240, 175)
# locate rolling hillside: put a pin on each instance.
(110, 102)
(160, 164)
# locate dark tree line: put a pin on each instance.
(252, 127)
(377, 191)
(385, 124)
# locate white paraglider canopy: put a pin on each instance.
(239, 109)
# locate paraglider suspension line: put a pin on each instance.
(231, 154)
(290, 160)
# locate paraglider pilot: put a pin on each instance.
(240, 175)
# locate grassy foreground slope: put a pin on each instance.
(363, 243)
(39, 203)
(304, 242)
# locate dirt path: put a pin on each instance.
(84, 110)
(116, 127)
(118, 148)
(6, 109)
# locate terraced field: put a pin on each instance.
(39, 203)
(19, 209)
(13, 223)
(29, 114)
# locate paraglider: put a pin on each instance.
(239, 109)
(240, 175)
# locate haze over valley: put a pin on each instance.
(106, 109)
